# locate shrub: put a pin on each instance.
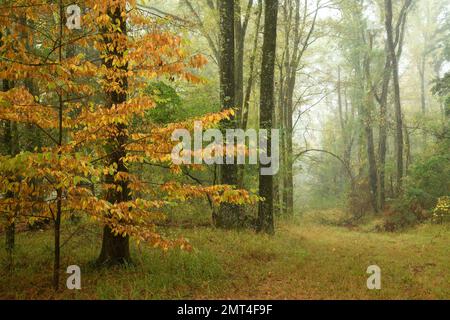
(429, 180)
(442, 211)
(359, 200)
(427, 183)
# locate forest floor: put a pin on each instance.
(304, 260)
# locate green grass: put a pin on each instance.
(304, 260)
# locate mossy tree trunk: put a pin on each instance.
(115, 248)
(267, 109)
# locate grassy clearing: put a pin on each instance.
(305, 260)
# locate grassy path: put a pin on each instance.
(303, 261)
(413, 265)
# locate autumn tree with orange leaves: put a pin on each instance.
(91, 87)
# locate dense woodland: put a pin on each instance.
(92, 92)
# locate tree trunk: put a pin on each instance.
(10, 150)
(267, 108)
(240, 33)
(228, 214)
(367, 123)
(343, 120)
(35, 138)
(297, 39)
(288, 190)
(373, 175)
(251, 73)
(239, 56)
(408, 148)
(115, 248)
(423, 101)
(422, 66)
(383, 100)
(397, 101)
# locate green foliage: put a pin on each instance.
(167, 102)
(178, 103)
(442, 88)
(401, 216)
(428, 181)
(201, 99)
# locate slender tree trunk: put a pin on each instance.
(267, 107)
(297, 40)
(397, 101)
(59, 191)
(251, 73)
(408, 147)
(228, 214)
(239, 76)
(239, 56)
(288, 190)
(276, 178)
(11, 149)
(423, 101)
(373, 175)
(240, 33)
(340, 105)
(349, 122)
(34, 139)
(115, 248)
(383, 101)
(343, 120)
(288, 184)
(367, 123)
(282, 127)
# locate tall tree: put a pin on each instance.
(10, 143)
(85, 112)
(251, 72)
(359, 48)
(228, 214)
(299, 26)
(382, 98)
(396, 83)
(367, 111)
(240, 28)
(115, 247)
(267, 108)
